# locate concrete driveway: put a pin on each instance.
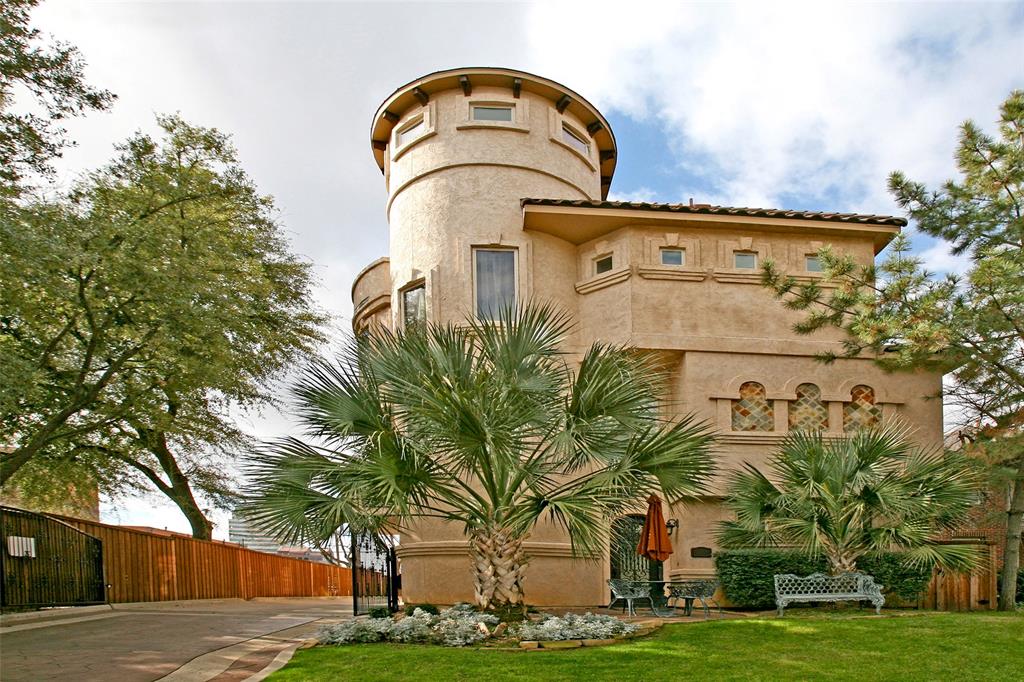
(195, 640)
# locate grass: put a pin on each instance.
(804, 646)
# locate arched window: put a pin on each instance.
(807, 412)
(752, 412)
(861, 412)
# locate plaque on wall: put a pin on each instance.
(700, 552)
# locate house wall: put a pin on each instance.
(460, 185)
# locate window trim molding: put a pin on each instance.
(556, 122)
(520, 113)
(418, 283)
(426, 114)
(610, 256)
(682, 256)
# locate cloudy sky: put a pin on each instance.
(787, 105)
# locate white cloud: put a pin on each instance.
(772, 100)
(937, 259)
(641, 194)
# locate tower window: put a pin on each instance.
(744, 260)
(492, 113)
(410, 132)
(495, 281)
(603, 264)
(575, 141)
(414, 306)
(673, 257)
(813, 264)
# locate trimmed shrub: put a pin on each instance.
(747, 575)
(898, 580)
(379, 612)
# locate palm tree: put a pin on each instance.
(845, 497)
(484, 424)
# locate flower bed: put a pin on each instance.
(462, 625)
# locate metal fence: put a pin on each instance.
(375, 579)
(46, 562)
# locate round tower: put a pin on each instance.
(459, 150)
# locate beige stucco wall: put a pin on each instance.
(460, 186)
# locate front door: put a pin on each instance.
(626, 563)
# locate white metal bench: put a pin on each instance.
(791, 588)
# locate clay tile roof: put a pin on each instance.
(861, 218)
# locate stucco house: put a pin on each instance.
(497, 191)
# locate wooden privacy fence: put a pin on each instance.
(141, 566)
(977, 591)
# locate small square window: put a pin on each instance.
(744, 260)
(813, 264)
(575, 141)
(492, 114)
(603, 264)
(410, 133)
(673, 257)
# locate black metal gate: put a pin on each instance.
(375, 578)
(48, 563)
(625, 562)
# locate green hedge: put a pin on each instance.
(748, 575)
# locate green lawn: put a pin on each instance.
(805, 646)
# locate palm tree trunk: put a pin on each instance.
(498, 567)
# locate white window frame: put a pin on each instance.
(520, 113)
(559, 123)
(515, 273)
(682, 258)
(743, 252)
(415, 284)
(598, 259)
(427, 116)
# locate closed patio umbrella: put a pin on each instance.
(654, 541)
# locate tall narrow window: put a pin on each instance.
(808, 412)
(752, 412)
(414, 306)
(495, 281)
(861, 412)
(744, 260)
(575, 141)
(494, 113)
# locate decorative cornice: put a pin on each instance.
(602, 281)
(669, 272)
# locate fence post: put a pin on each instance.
(355, 572)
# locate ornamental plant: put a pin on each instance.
(484, 424)
(844, 498)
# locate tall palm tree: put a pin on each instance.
(845, 497)
(484, 424)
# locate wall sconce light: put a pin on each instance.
(671, 525)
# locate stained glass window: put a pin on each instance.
(808, 412)
(861, 412)
(752, 412)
